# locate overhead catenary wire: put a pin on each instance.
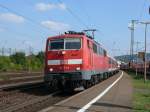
(74, 15)
(27, 18)
(89, 17)
(142, 10)
(77, 17)
(16, 33)
(34, 22)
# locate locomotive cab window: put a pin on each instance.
(62, 44)
(73, 43)
(56, 44)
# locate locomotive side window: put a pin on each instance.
(73, 43)
(110, 61)
(88, 43)
(56, 44)
(94, 48)
(105, 53)
(100, 51)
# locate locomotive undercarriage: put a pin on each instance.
(68, 84)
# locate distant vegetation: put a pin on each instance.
(20, 62)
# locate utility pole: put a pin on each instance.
(9, 51)
(3, 51)
(132, 39)
(145, 57)
(137, 45)
(30, 58)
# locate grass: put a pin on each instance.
(141, 102)
(139, 84)
(141, 95)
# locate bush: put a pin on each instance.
(19, 61)
(5, 63)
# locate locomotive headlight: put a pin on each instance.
(78, 68)
(51, 69)
(63, 52)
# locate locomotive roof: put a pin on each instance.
(79, 34)
(73, 34)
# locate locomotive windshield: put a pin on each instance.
(56, 44)
(64, 44)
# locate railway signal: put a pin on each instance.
(141, 55)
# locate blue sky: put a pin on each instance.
(28, 23)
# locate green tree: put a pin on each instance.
(5, 63)
(18, 58)
(40, 56)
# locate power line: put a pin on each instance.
(89, 18)
(86, 13)
(18, 33)
(142, 9)
(77, 17)
(74, 15)
(27, 18)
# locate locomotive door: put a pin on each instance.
(90, 54)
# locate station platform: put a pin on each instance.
(111, 95)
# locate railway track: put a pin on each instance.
(21, 85)
(30, 98)
(19, 79)
(24, 105)
(27, 93)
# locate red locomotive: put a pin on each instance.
(75, 59)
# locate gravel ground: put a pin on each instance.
(17, 74)
(12, 99)
(20, 80)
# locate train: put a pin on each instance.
(75, 59)
(136, 66)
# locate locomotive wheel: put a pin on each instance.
(86, 84)
(60, 85)
(68, 86)
(47, 86)
(50, 86)
(93, 80)
(99, 78)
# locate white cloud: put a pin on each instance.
(62, 6)
(55, 26)
(10, 17)
(46, 7)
